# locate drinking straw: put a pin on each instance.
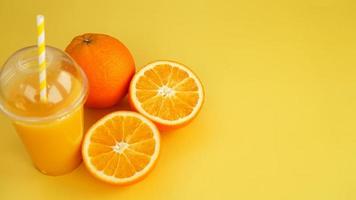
(42, 57)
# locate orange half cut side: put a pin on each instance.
(121, 148)
(168, 93)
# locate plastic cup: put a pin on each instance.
(51, 131)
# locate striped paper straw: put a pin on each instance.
(42, 57)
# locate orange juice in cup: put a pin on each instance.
(51, 131)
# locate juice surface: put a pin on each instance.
(22, 97)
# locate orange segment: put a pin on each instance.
(125, 169)
(137, 159)
(96, 149)
(121, 148)
(186, 85)
(145, 146)
(166, 92)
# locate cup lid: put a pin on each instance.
(67, 85)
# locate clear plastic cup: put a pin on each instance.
(52, 132)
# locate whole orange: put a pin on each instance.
(108, 65)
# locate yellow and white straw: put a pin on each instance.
(42, 57)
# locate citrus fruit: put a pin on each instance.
(121, 148)
(108, 65)
(166, 92)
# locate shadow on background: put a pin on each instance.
(92, 115)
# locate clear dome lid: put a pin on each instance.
(19, 85)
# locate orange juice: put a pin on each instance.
(62, 137)
(51, 131)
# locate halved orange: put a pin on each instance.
(166, 92)
(121, 148)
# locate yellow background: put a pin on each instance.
(279, 120)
